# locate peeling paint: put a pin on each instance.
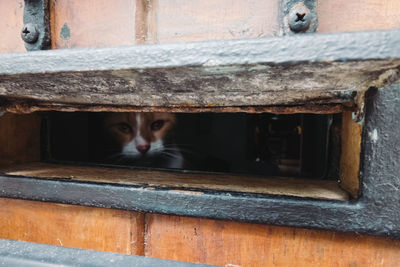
(387, 78)
(65, 32)
(59, 241)
(373, 135)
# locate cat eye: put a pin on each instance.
(125, 128)
(157, 125)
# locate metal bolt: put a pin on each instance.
(29, 33)
(299, 18)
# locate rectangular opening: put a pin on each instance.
(294, 145)
(284, 154)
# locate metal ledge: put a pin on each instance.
(376, 211)
(27, 254)
(301, 70)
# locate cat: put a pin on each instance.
(139, 139)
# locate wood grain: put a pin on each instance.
(230, 73)
(198, 20)
(358, 15)
(225, 243)
(11, 15)
(320, 189)
(98, 23)
(19, 138)
(350, 154)
(72, 226)
(92, 23)
(104, 23)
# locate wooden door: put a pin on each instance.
(94, 23)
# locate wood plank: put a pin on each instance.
(92, 23)
(11, 14)
(220, 74)
(97, 23)
(226, 243)
(319, 189)
(350, 154)
(197, 20)
(358, 15)
(19, 138)
(72, 226)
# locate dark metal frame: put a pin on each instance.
(300, 70)
(37, 15)
(376, 212)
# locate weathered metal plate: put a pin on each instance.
(37, 15)
(306, 70)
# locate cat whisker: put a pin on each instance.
(185, 151)
(171, 155)
(175, 147)
(178, 146)
(170, 149)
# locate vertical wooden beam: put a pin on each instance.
(146, 21)
(137, 232)
(350, 154)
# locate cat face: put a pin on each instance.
(139, 135)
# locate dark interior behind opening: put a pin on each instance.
(296, 145)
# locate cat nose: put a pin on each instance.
(143, 148)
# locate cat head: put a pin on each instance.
(139, 135)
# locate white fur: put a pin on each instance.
(156, 147)
(139, 140)
(130, 149)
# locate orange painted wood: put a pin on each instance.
(126, 22)
(240, 244)
(92, 23)
(19, 138)
(95, 23)
(197, 20)
(358, 15)
(11, 23)
(350, 154)
(72, 226)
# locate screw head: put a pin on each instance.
(299, 18)
(29, 33)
